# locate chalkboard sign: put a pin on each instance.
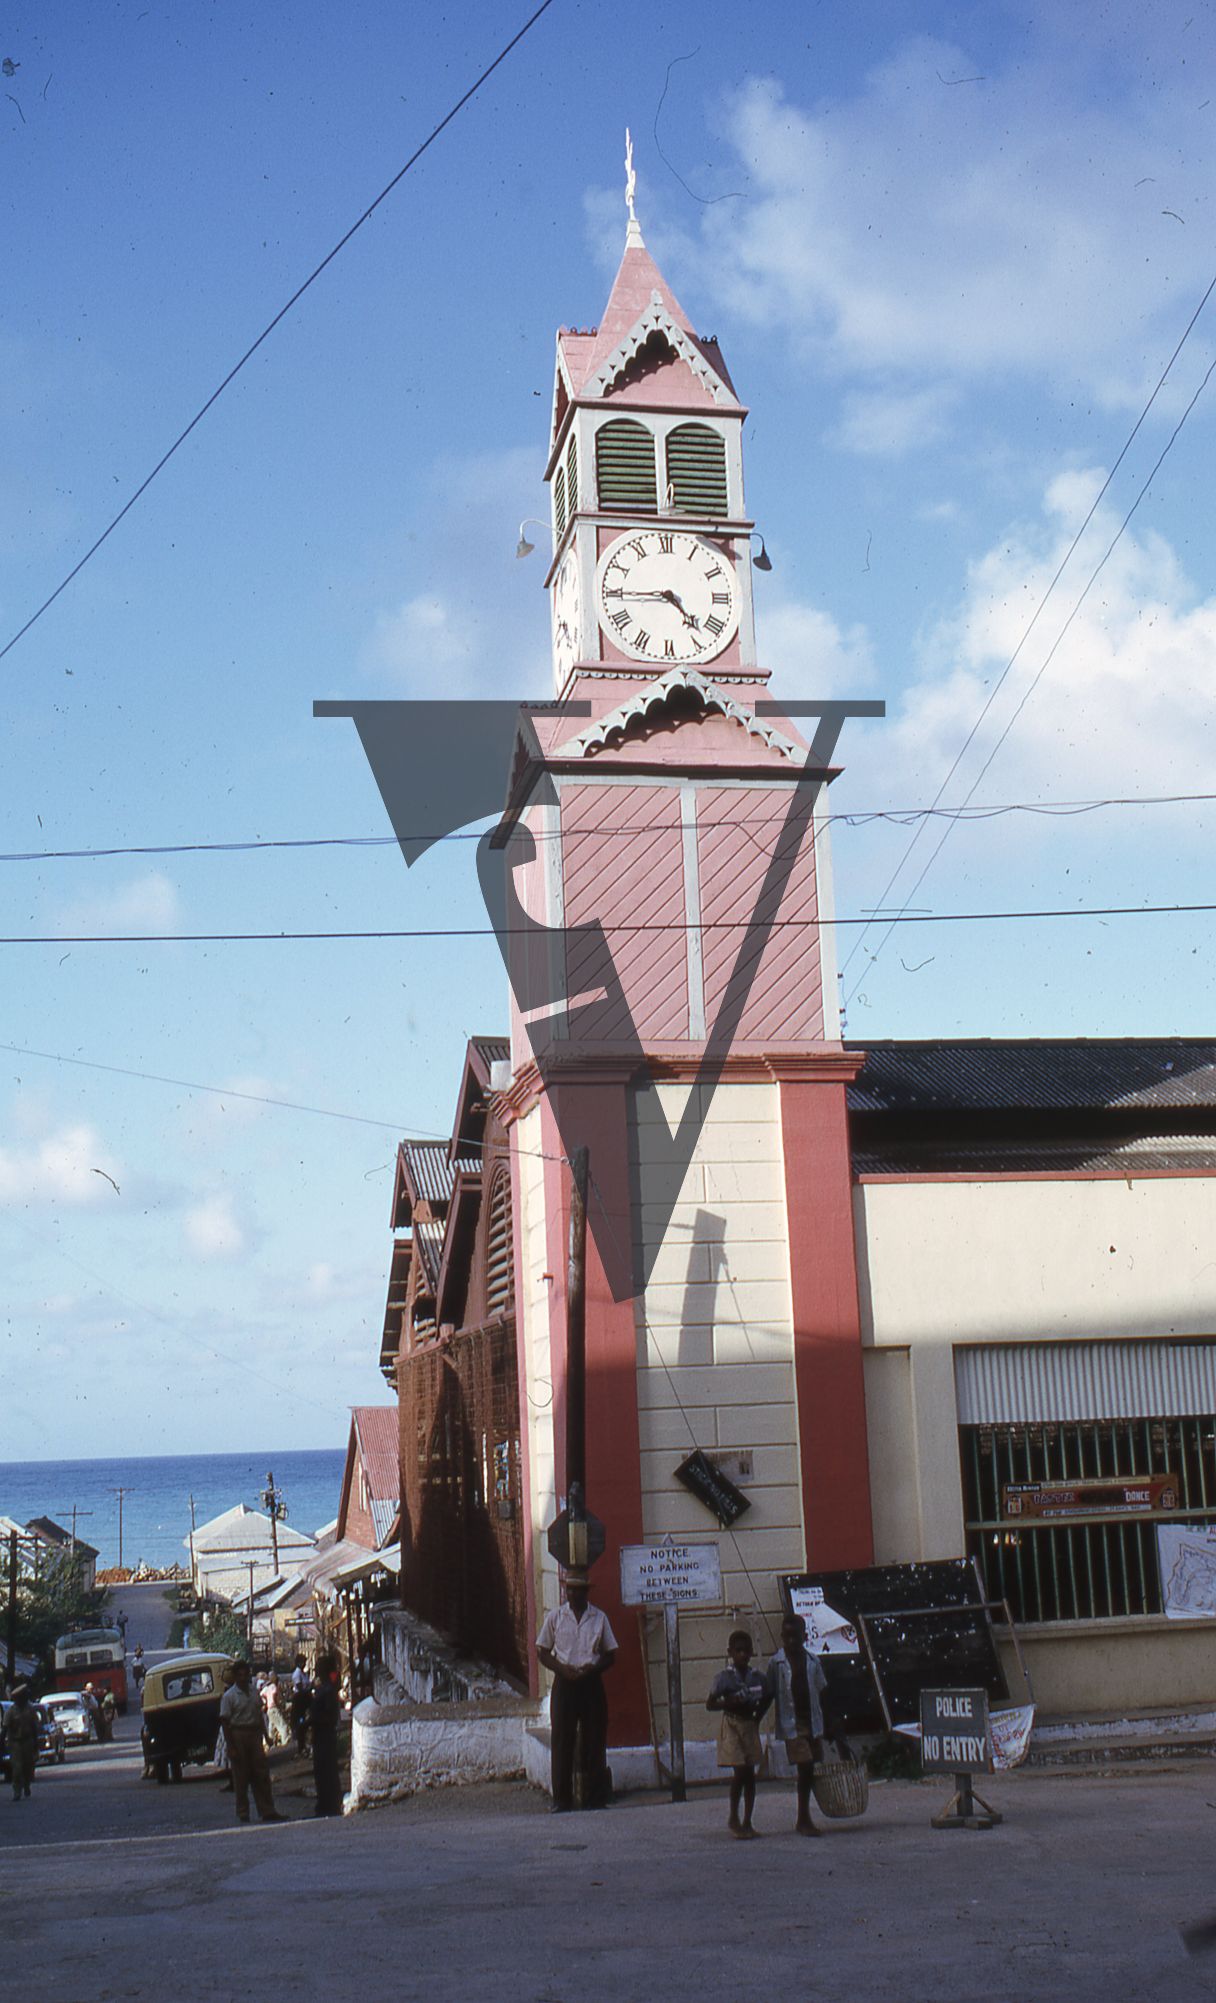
(713, 1488)
(884, 1606)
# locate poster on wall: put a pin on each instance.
(1186, 1554)
(827, 1631)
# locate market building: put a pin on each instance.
(904, 1295)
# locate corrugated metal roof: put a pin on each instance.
(377, 1432)
(1040, 1382)
(428, 1237)
(1140, 1155)
(429, 1171)
(1070, 1074)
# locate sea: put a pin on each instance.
(157, 1492)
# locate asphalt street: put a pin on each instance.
(1082, 1894)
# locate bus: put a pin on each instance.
(96, 1655)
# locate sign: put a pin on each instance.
(682, 1575)
(1137, 1496)
(1186, 1555)
(954, 1735)
(576, 1541)
(713, 1488)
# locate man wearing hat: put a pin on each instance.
(578, 1645)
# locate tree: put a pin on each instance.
(51, 1598)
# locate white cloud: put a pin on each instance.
(213, 1229)
(148, 903)
(427, 641)
(892, 422)
(918, 227)
(70, 1165)
(809, 654)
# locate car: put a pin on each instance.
(50, 1739)
(70, 1710)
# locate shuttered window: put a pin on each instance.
(500, 1289)
(572, 474)
(696, 470)
(559, 502)
(624, 465)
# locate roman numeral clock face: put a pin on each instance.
(665, 596)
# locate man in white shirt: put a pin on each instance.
(578, 1645)
(244, 1720)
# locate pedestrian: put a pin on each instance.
(21, 1735)
(106, 1707)
(244, 1723)
(92, 1710)
(139, 1667)
(325, 1712)
(276, 1723)
(300, 1692)
(577, 1644)
(796, 1683)
(121, 1624)
(742, 1695)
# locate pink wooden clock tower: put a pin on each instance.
(705, 1073)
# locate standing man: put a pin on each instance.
(244, 1723)
(139, 1667)
(325, 1712)
(578, 1645)
(796, 1684)
(21, 1734)
(301, 1689)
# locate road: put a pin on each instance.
(1079, 1896)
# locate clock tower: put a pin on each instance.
(674, 1012)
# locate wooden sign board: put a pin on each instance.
(954, 1733)
(682, 1575)
(713, 1488)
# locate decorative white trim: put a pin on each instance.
(656, 318)
(655, 696)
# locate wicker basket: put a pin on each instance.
(841, 1787)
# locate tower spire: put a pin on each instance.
(633, 235)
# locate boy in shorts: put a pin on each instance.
(742, 1695)
(796, 1684)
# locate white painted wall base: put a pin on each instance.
(398, 1749)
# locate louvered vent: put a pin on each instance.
(559, 502)
(696, 470)
(500, 1291)
(572, 473)
(624, 465)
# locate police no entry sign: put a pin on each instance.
(954, 1734)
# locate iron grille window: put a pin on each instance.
(624, 465)
(1052, 1570)
(696, 470)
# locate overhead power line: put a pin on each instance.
(900, 866)
(556, 931)
(267, 330)
(855, 817)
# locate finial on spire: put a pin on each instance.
(634, 233)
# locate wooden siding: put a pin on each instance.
(622, 863)
(738, 831)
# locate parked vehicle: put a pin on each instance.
(50, 1739)
(69, 1708)
(97, 1655)
(182, 1711)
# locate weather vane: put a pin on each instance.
(631, 179)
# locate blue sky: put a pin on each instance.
(948, 251)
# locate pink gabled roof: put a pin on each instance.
(377, 1429)
(637, 281)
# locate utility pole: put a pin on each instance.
(576, 1337)
(251, 1562)
(272, 1499)
(76, 1511)
(193, 1581)
(120, 1492)
(12, 1607)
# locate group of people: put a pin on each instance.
(251, 1720)
(577, 1644)
(100, 1709)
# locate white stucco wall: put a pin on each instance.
(533, 1332)
(715, 1363)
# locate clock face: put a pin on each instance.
(664, 595)
(567, 616)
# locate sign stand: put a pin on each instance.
(675, 1699)
(959, 1812)
(671, 1576)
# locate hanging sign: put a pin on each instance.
(1138, 1495)
(682, 1575)
(713, 1488)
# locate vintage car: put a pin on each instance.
(68, 1709)
(181, 1719)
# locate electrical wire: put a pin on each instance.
(903, 917)
(266, 332)
(1034, 618)
(855, 817)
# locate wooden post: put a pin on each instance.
(120, 1492)
(675, 1699)
(251, 1562)
(576, 1329)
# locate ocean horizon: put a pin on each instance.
(158, 1488)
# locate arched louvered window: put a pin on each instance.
(572, 473)
(624, 465)
(696, 470)
(559, 501)
(500, 1263)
